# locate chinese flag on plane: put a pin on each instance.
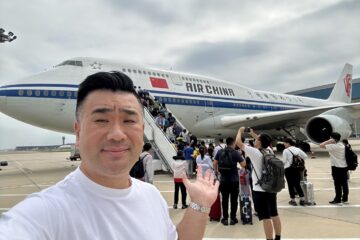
(158, 82)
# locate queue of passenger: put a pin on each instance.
(192, 155)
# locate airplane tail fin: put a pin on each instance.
(342, 91)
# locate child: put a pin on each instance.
(179, 166)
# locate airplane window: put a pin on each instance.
(53, 93)
(68, 94)
(46, 93)
(139, 71)
(129, 70)
(134, 70)
(61, 93)
(153, 74)
(166, 75)
(75, 94)
(266, 95)
(21, 92)
(29, 92)
(37, 93)
(149, 73)
(158, 74)
(79, 63)
(124, 70)
(144, 72)
(162, 75)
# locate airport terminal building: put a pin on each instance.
(323, 92)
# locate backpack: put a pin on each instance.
(272, 178)
(351, 158)
(138, 171)
(297, 162)
(226, 164)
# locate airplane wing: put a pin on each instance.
(287, 118)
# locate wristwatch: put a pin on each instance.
(199, 208)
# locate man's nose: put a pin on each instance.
(116, 132)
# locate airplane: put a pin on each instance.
(206, 106)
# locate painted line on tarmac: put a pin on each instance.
(314, 206)
(282, 238)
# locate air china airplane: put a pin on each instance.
(206, 106)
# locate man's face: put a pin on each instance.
(109, 133)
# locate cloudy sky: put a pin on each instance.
(266, 44)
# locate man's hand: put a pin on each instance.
(204, 190)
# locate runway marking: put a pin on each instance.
(282, 238)
(314, 206)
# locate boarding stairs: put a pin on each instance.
(159, 141)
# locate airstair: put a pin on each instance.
(159, 141)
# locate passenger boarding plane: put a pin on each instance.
(206, 106)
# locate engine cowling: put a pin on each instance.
(318, 129)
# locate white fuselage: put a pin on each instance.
(48, 99)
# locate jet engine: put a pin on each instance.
(319, 128)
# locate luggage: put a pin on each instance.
(3, 163)
(244, 197)
(245, 209)
(308, 189)
(215, 211)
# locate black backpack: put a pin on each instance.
(297, 162)
(226, 164)
(272, 179)
(351, 158)
(138, 171)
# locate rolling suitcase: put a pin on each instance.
(3, 163)
(308, 189)
(215, 211)
(244, 197)
(245, 210)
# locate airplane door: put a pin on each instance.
(175, 78)
(209, 106)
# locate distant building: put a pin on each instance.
(323, 92)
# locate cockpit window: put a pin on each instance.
(71, 62)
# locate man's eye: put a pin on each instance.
(101, 121)
(129, 121)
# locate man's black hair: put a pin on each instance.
(289, 141)
(230, 141)
(113, 81)
(147, 147)
(265, 140)
(336, 136)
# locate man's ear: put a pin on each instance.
(77, 132)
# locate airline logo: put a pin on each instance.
(347, 84)
(159, 82)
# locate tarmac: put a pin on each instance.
(30, 172)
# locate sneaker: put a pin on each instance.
(233, 221)
(334, 202)
(225, 222)
(302, 203)
(175, 206)
(293, 203)
(184, 206)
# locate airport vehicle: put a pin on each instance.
(208, 107)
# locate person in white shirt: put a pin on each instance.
(221, 145)
(265, 203)
(292, 175)
(147, 160)
(204, 161)
(339, 169)
(99, 200)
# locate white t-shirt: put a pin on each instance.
(205, 164)
(337, 154)
(78, 208)
(256, 158)
(148, 166)
(288, 157)
(218, 147)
